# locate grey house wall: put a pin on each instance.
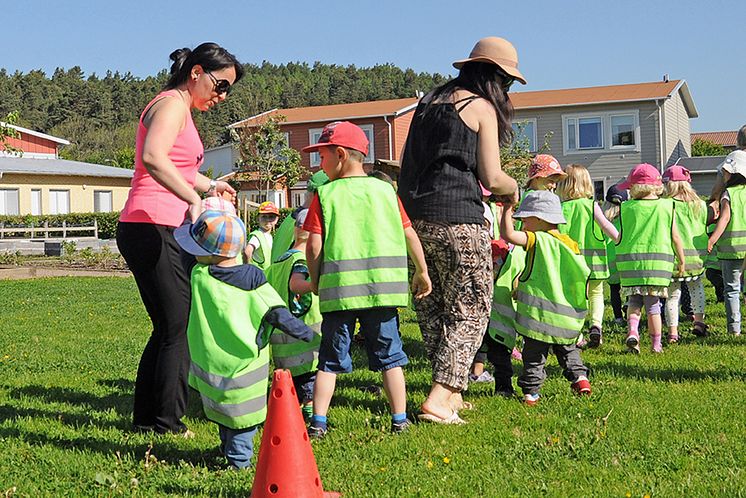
(609, 165)
(677, 130)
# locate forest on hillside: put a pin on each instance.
(99, 114)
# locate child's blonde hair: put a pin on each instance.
(683, 191)
(611, 210)
(576, 185)
(638, 191)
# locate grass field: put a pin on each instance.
(665, 425)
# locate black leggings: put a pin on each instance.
(156, 261)
(616, 300)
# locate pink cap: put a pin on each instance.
(485, 192)
(677, 173)
(343, 134)
(543, 166)
(642, 174)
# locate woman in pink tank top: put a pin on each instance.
(164, 190)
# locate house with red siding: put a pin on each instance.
(385, 122)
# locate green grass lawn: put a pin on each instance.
(665, 425)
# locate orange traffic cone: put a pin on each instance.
(286, 465)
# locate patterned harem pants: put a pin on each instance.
(454, 317)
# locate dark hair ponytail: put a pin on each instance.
(485, 80)
(210, 56)
(735, 180)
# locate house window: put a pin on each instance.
(9, 201)
(36, 201)
(369, 133)
(525, 133)
(598, 190)
(601, 132)
(102, 201)
(59, 201)
(622, 130)
(313, 137)
(298, 199)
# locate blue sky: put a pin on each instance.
(561, 43)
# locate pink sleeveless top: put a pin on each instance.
(149, 201)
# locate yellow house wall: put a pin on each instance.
(81, 190)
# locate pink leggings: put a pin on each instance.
(652, 303)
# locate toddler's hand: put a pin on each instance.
(421, 284)
(681, 270)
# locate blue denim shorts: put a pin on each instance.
(379, 326)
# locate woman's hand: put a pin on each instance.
(225, 190)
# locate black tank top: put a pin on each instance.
(438, 178)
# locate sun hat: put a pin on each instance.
(342, 134)
(317, 180)
(542, 204)
(616, 195)
(217, 203)
(735, 162)
(497, 51)
(215, 233)
(677, 173)
(268, 207)
(543, 166)
(642, 174)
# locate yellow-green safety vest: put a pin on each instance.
(732, 244)
(364, 261)
(262, 255)
(581, 226)
(502, 316)
(692, 226)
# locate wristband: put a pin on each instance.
(213, 186)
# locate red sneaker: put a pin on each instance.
(582, 387)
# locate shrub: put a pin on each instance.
(107, 222)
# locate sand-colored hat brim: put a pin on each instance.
(505, 65)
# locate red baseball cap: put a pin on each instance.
(677, 173)
(543, 166)
(342, 134)
(642, 174)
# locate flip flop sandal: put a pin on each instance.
(699, 329)
(466, 406)
(453, 419)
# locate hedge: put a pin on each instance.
(107, 222)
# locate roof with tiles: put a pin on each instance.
(724, 138)
(635, 92)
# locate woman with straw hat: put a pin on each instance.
(454, 142)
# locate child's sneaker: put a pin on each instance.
(633, 344)
(531, 399)
(317, 431)
(483, 377)
(504, 388)
(594, 337)
(581, 387)
(399, 427)
(700, 329)
(672, 338)
(620, 322)
(581, 343)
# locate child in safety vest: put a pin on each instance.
(289, 277)
(357, 257)
(730, 235)
(233, 310)
(284, 235)
(645, 254)
(586, 224)
(549, 293)
(259, 249)
(614, 198)
(692, 217)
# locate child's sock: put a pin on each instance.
(318, 421)
(656, 340)
(398, 418)
(634, 325)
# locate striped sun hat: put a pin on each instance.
(215, 233)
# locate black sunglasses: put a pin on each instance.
(507, 82)
(219, 86)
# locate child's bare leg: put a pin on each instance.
(634, 310)
(323, 390)
(396, 390)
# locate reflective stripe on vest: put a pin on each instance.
(292, 354)
(691, 221)
(644, 255)
(732, 244)
(227, 366)
(581, 226)
(548, 309)
(365, 253)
